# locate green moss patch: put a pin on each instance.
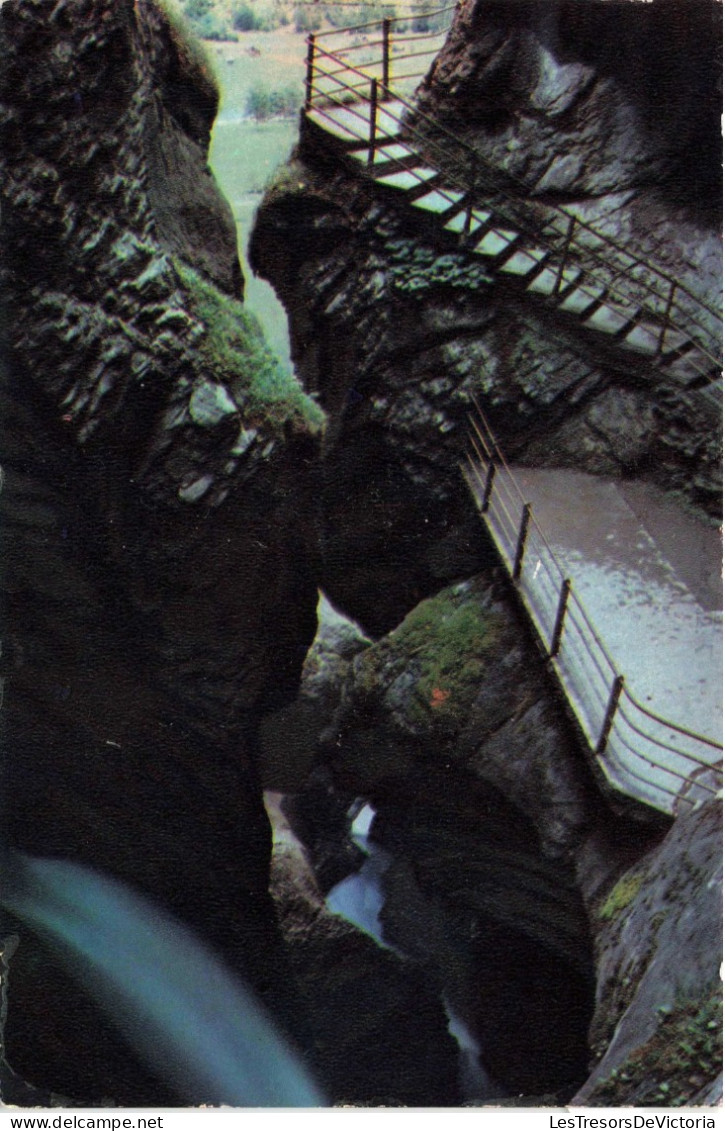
(682, 1057)
(446, 645)
(234, 351)
(191, 56)
(621, 895)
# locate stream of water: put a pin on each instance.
(359, 899)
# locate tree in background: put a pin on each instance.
(280, 102)
(205, 20)
(244, 18)
(307, 19)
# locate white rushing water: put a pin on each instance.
(359, 899)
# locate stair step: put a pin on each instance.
(569, 282)
(352, 122)
(396, 165)
(408, 179)
(526, 263)
(643, 338)
(583, 299)
(629, 325)
(675, 346)
(396, 155)
(610, 319)
(348, 125)
(496, 242)
(439, 200)
(458, 222)
(545, 282)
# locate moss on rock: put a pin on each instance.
(683, 1055)
(621, 895)
(235, 352)
(434, 663)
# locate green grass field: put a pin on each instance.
(244, 153)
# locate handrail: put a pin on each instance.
(573, 250)
(534, 232)
(620, 738)
(517, 221)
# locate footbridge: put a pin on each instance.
(359, 85)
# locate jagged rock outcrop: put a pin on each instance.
(658, 1020)
(157, 582)
(587, 99)
(396, 522)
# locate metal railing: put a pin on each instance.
(670, 319)
(404, 54)
(639, 752)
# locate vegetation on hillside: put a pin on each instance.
(264, 102)
(226, 19)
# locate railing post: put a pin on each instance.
(373, 119)
(310, 72)
(609, 714)
(386, 57)
(562, 265)
(666, 322)
(488, 487)
(521, 544)
(560, 616)
(473, 174)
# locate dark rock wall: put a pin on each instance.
(584, 98)
(157, 579)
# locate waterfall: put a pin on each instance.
(184, 1013)
(359, 899)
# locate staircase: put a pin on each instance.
(627, 305)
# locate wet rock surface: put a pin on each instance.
(157, 588)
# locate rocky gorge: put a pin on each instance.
(173, 501)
